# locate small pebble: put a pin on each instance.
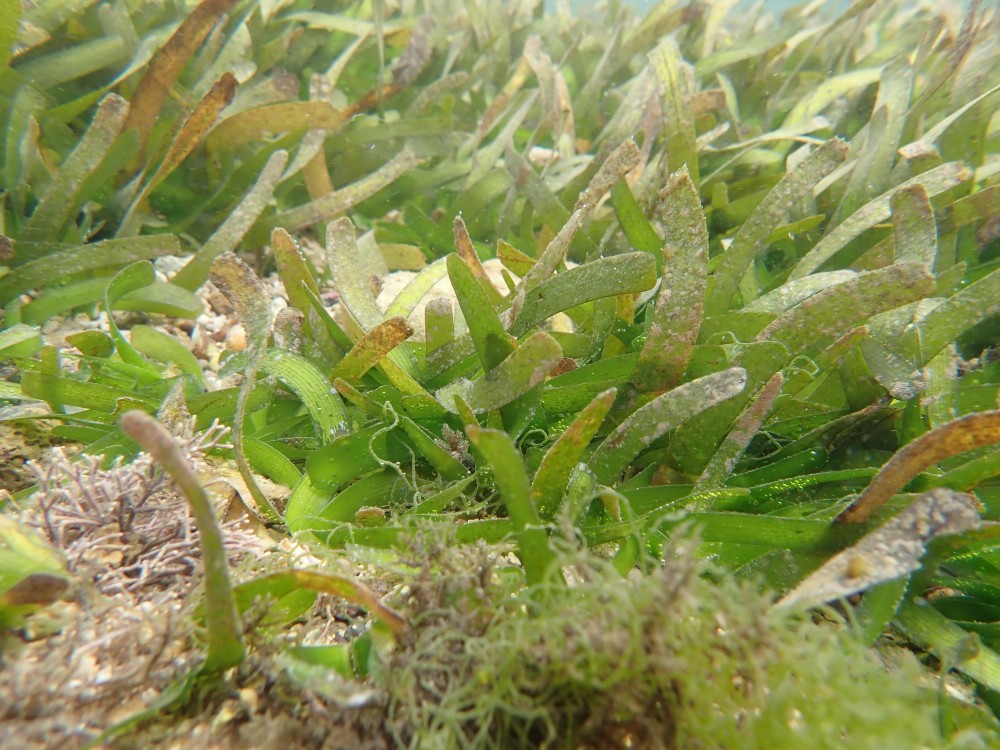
(237, 338)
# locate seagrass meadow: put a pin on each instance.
(471, 374)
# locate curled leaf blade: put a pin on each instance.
(194, 127)
(225, 636)
(334, 204)
(129, 279)
(247, 294)
(552, 476)
(236, 225)
(49, 218)
(931, 629)
(256, 124)
(466, 251)
(59, 265)
(935, 181)
(371, 348)
(676, 80)
(348, 274)
(166, 66)
(493, 343)
(629, 273)
(512, 481)
(891, 551)
(307, 381)
(659, 416)
(724, 460)
(345, 587)
(958, 436)
(914, 226)
(754, 232)
(526, 367)
(831, 313)
(680, 301)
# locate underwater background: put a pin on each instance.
(449, 374)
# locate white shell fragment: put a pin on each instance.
(891, 551)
